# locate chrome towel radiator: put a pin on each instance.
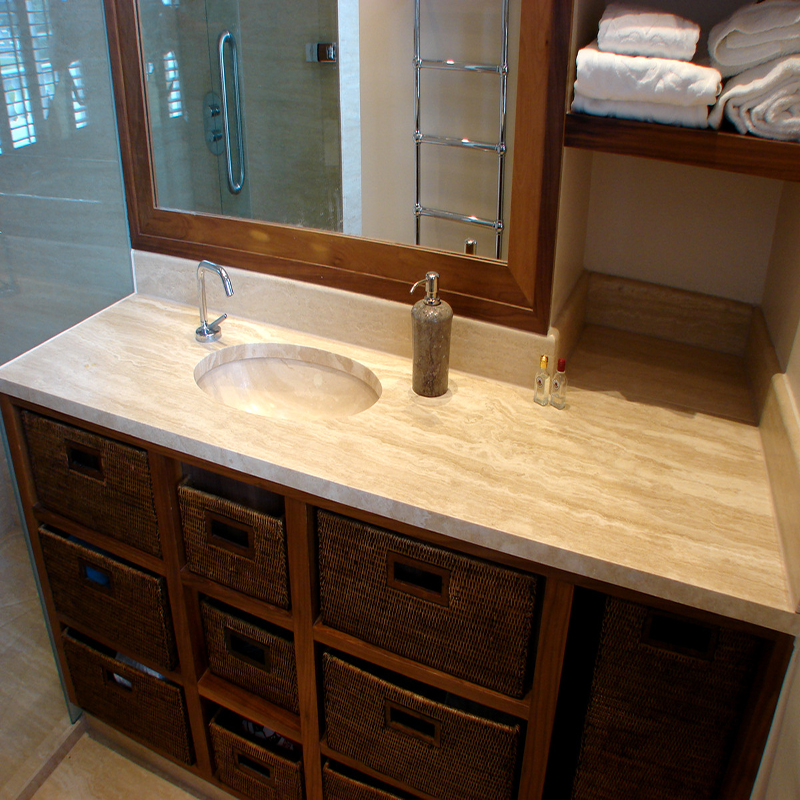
(499, 147)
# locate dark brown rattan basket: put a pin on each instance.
(252, 769)
(433, 747)
(338, 786)
(100, 483)
(251, 655)
(235, 545)
(448, 611)
(149, 709)
(662, 718)
(128, 607)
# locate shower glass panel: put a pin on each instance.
(282, 140)
(64, 255)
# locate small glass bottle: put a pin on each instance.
(558, 386)
(541, 392)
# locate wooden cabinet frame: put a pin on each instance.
(204, 690)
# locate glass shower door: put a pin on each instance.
(278, 158)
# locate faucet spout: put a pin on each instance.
(209, 332)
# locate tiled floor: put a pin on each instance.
(93, 770)
(34, 719)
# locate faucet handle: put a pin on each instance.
(209, 331)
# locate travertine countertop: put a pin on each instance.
(619, 486)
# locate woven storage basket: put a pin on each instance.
(660, 724)
(448, 611)
(151, 709)
(117, 601)
(446, 752)
(337, 786)
(95, 481)
(235, 545)
(250, 655)
(251, 768)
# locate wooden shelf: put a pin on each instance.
(242, 602)
(173, 675)
(363, 768)
(117, 548)
(248, 705)
(732, 152)
(433, 677)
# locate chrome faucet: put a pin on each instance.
(209, 332)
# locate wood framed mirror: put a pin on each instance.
(515, 293)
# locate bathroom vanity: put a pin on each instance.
(458, 597)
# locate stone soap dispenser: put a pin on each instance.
(431, 320)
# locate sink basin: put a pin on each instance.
(287, 381)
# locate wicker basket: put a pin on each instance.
(250, 767)
(666, 700)
(119, 602)
(251, 654)
(340, 786)
(147, 708)
(433, 747)
(235, 545)
(455, 613)
(95, 481)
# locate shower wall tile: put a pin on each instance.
(50, 295)
(64, 244)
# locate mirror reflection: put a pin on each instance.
(319, 113)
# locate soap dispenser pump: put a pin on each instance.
(431, 320)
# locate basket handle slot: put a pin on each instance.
(228, 534)
(412, 723)
(85, 460)
(117, 681)
(96, 577)
(679, 635)
(248, 650)
(254, 769)
(418, 578)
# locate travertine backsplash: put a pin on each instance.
(491, 351)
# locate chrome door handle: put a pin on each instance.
(226, 37)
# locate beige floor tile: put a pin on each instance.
(34, 712)
(93, 771)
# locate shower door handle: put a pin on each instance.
(226, 37)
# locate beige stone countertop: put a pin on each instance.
(618, 486)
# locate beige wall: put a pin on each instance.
(573, 212)
(781, 302)
(779, 778)
(697, 229)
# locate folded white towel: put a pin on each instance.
(607, 76)
(764, 100)
(664, 113)
(637, 31)
(754, 34)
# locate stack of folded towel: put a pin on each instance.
(640, 68)
(758, 45)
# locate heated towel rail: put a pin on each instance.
(499, 147)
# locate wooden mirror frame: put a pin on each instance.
(515, 294)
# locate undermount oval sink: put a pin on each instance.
(287, 381)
